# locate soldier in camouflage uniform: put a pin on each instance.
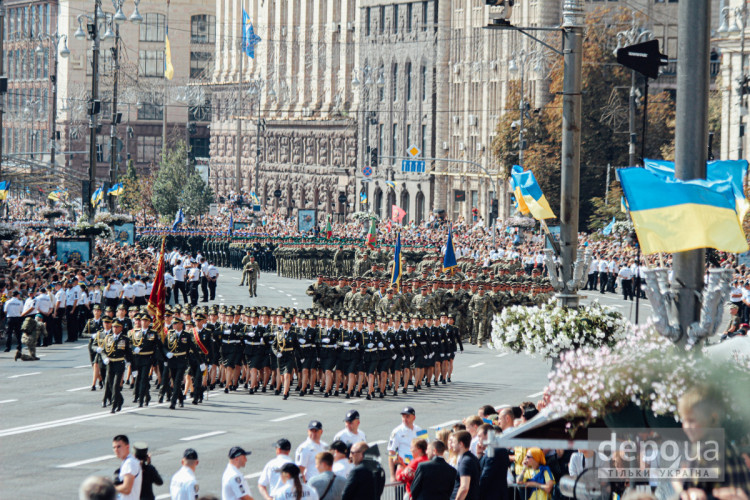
(245, 262)
(253, 270)
(481, 309)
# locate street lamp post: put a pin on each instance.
(256, 89)
(362, 79)
(63, 51)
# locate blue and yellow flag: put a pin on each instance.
(254, 197)
(397, 268)
(734, 171)
(671, 215)
(391, 184)
(115, 190)
(55, 195)
(249, 38)
(168, 68)
(623, 205)
(520, 204)
(449, 259)
(97, 197)
(532, 195)
(4, 188)
(608, 228)
(363, 198)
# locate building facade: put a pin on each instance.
(293, 100)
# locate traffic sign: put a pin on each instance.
(414, 151)
(367, 171)
(644, 58)
(413, 166)
(277, 193)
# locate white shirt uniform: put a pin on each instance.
(212, 271)
(194, 274)
(233, 484)
(13, 308)
(342, 467)
(128, 292)
(349, 437)
(179, 272)
(30, 305)
(131, 466)
(140, 288)
(184, 486)
(43, 303)
(60, 299)
(400, 441)
(271, 475)
(287, 492)
(72, 295)
(305, 456)
(168, 280)
(95, 296)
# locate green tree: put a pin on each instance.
(177, 185)
(603, 211)
(600, 143)
(129, 199)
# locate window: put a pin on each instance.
(408, 81)
(424, 142)
(394, 143)
(382, 19)
(395, 18)
(152, 28)
(380, 139)
(199, 62)
(424, 16)
(424, 82)
(203, 29)
(408, 16)
(149, 149)
(151, 63)
(408, 135)
(381, 90)
(151, 111)
(394, 83)
(368, 13)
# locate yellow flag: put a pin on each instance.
(168, 68)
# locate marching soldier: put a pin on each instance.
(178, 344)
(256, 355)
(117, 353)
(245, 261)
(146, 344)
(253, 273)
(481, 309)
(286, 343)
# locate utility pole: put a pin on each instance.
(3, 81)
(238, 133)
(93, 108)
(741, 128)
(691, 136)
(113, 165)
(257, 150)
(573, 20)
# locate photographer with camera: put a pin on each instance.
(151, 476)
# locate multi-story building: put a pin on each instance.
(141, 84)
(294, 101)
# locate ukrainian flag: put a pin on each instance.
(397, 268)
(4, 187)
(55, 195)
(97, 197)
(115, 190)
(449, 259)
(671, 215)
(734, 171)
(168, 68)
(391, 184)
(255, 199)
(532, 195)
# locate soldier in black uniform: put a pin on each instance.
(308, 354)
(117, 352)
(255, 350)
(433, 371)
(402, 349)
(231, 349)
(385, 356)
(370, 339)
(284, 347)
(454, 341)
(421, 352)
(178, 344)
(203, 336)
(92, 328)
(272, 364)
(349, 357)
(214, 354)
(146, 345)
(328, 352)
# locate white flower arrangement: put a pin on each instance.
(99, 229)
(550, 330)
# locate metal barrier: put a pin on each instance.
(393, 491)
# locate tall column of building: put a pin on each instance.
(328, 78)
(318, 28)
(442, 88)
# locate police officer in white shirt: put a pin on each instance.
(351, 434)
(58, 311)
(43, 303)
(341, 463)
(306, 452)
(233, 483)
(204, 277)
(128, 294)
(13, 308)
(193, 282)
(591, 285)
(626, 280)
(184, 486)
(399, 445)
(139, 289)
(603, 269)
(111, 294)
(270, 478)
(212, 274)
(179, 282)
(72, 295)
(130, 474)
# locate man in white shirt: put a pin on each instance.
(128, 293)
(178, 271)
(204, 278)
(72, 295)
(233, 483)
(399, 444)
(308, 450)
(351, 434)
(58, 311)
(603, 270)
(130, 475)
(193, 279)
(184, 486)
(341, 463)
(43, 303)
(626, 280)
(270, 478)
(212, 273)
(13, 308)
(168, 285)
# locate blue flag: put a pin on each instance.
(178, 219)
(449, 260)
(608, 229)
(396, 275)
(249, 38)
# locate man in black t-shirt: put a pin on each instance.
(467, 480)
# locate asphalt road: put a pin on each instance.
(54, 432)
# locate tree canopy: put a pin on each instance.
(178, 185)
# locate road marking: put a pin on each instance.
(200, 436)
(25, 375)
(376, 442)
(219, 295)
(79, 388)
(351, 402)
(84, 462)
(475, 365)
(81, 346)
(445, 424)
(8, 401)
(163, 496)
(42, 355)
(251, 476)
(288, 294)
(288, 417)
(272, 287)
(82, 366)
(501, 355)
(70, 420)
(536, 394)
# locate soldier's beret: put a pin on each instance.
(200, 315)
(106, 319)
(178, 320)
(97, 307)
(116, 322)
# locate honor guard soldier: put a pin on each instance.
(117, 353)
(308, 354)
(256, 355)
(284, 347)
(202, 335)
(177, 345)
(231, 349)
(328, 352)
(96, 353)
(146, 344)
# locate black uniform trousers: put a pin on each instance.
(179, 286)
(193, 290)
(212, 289)
(115, 371)
(204, 288)
(14, 330)
(71, 319)
(142, 364)
(177, 366)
